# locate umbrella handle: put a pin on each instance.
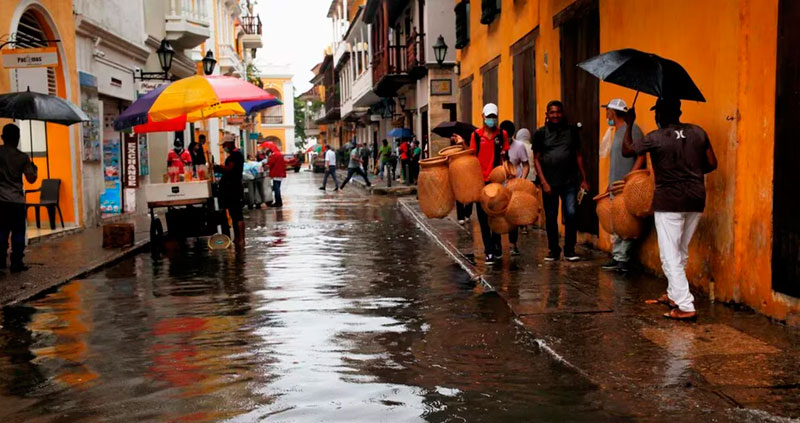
(634, 99)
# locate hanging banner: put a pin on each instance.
(44, 57)
(131, 161)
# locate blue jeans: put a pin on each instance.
(276, 192)
(12, 222)
(569, 210)
(331, 171)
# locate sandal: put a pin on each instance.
(663, 299)
(677, 314)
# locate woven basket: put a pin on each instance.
(511, 170)
(433, 188)
(465, 176)
(447, 151)
(519, 184)
(603, 209)
(494, 199)
(617, 188)
(523, 209)
(638, 192)
(626, 225)
(500, 225)
(497, 175)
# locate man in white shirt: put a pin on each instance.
(330, 166)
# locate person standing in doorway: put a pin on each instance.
(13, 165)
(490, 144)
(559, 165)
(277, 172)
(330, 169)
(231, 190)
(619, 166)
(355, 166)
(681, 154)
(518, 156)
(416, 155)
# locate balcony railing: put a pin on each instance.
(415, 50)
(251, 25)
(332, 100)
(194, 10)
(389, 62)
(272, 120)
(187, 23)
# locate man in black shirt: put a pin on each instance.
(231, 190)
(559, 165)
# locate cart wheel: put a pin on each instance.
(156, 230)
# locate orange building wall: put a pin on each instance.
(61, 158)
(729, 50)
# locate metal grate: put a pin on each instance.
(31, 35)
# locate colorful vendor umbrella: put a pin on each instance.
(192, 95)
(179, 123)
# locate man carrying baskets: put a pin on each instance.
(490, 144)
(681, 154)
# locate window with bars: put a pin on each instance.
(462, 24)
(31, 35)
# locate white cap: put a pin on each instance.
(490, 109)
(617, 104)
(523, 135)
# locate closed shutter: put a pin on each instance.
(462, 24)
(465, 101)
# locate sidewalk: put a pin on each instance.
(378, 187)
(731, 365)
(61, 259)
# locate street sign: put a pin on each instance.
(147, 86)
(44, 57)
(131, 161)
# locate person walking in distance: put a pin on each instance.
(463, 211)
(13, 165)
(385, 156)
(416, 155)
(277, 172)
(355, 166)
(518, 156)
(681, 154)
(559, 164)
(404, 151)
(330, 169)
(231, 190)
(490, 143)
(620, 166)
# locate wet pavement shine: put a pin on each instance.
(339, 309)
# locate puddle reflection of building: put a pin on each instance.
(19, 374)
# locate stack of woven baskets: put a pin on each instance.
(455, 175)
(622, 209)
(510, 205)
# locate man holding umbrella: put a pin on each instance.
(681, 155)
(13, 164)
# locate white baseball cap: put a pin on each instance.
(490, 109)
(617, 104)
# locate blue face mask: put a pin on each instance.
(611, 122)
(490, 122)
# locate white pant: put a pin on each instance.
(675, 231)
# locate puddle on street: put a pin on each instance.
(339, 309)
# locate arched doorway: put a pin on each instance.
(273, 115)
(50, 145)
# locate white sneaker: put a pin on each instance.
(573, 257)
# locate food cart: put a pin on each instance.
(190, 209)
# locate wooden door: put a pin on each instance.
(786, 190)
(580, 40)
(524, 83)
(489, 80)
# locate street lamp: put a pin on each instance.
(208, 63)
(165, 54)
(402, 101)
(388, 111)
(440, 50)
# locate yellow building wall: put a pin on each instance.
(729, 50)
(62, 160)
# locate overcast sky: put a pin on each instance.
(296, 33)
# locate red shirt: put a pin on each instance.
(175, 161)
(488, 155)
(277, 165)
(404, 150)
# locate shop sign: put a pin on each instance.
(147, 86)
(131, 161)
(441, 87)
(235, 120)
(44, 57)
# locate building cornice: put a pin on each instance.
(89, 28)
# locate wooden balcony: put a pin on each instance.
(398, 65)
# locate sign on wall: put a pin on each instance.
(44, 57)
(131, 161)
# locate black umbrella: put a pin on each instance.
(447, 129)
(28, 105)
(643, 72)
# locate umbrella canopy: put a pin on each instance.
(271, 145)
(311, 148)
(179, 123)
(447, 129)
(193, 94)
(644, 72)
(401, 133)
(28, 105)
